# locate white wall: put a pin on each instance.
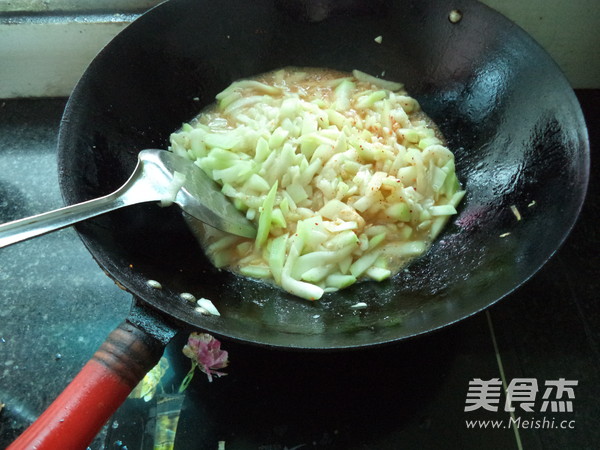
(569, 30)
(45, 58)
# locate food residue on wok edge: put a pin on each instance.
(208, 306)
(188, 297)
(154, 284)
(344, 175)
(359, 305)
(515, 212)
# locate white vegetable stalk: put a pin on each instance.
(344, 176)
(173, 189)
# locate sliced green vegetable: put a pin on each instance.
(341, 184)
(376, 240)
(384, 84)
(359, 266)
(317, 274)
(277, 256)
(262, 150)
(367, 101)
(399, 211)
(340, 281)
(278, 219)
(442, 210)
(264, 221)
(302, 289)
(378, 273)
(222, 140)
(256, 271)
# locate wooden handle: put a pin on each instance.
(81, 410)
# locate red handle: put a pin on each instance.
(81, 410)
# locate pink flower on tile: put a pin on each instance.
(205, 351)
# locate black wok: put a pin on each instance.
(506, 110)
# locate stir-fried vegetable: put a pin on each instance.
(344, 175)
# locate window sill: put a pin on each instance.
(44, 55)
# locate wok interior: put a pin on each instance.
(508, 114)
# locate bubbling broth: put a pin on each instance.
(344, 175)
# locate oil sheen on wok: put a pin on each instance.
(344, 175)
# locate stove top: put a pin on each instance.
(443, 390)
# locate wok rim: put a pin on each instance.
(145, 295)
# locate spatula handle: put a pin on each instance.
(144, 185)
(30, 227)
(81, 410)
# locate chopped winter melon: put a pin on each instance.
(363, 263)
(399, 211)
(442, 210)
(264, 222)
(378, 273)
(255, 271)
(222, 140)
(344, 175)
(340, 281)
(277, 256)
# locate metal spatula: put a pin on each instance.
(160, 176)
